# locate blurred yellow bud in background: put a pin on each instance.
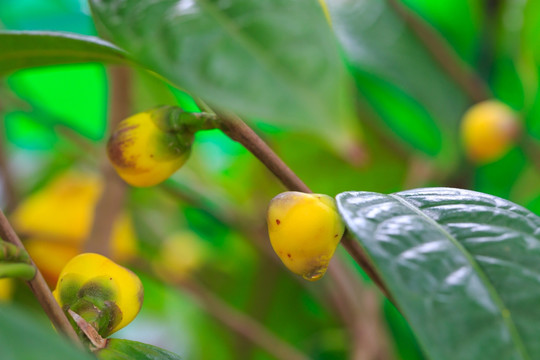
(56, 220)
(489, 129)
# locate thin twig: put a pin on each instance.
(241, 323)
(257, 233)
(237, 130)
(443, 54)
(8, 183)
(111, 202)
(39, 287)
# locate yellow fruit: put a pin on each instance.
(56, 221)
(64, 209)
(104, 293)
(145, 150)
(489, 129)
(304, 230)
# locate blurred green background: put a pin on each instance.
(211, 213)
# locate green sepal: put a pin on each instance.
(17, 270)
(94, 301)
(12, 253)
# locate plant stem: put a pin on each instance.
(17, 270)
(8, 183)
(237, 130)
(39, 287)
(443, 54)
(241, 323)
(111, 201)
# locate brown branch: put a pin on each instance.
(39, 287)
(443, 54)
(345, 282)
(237, 130)
(8, 183)
(111, 202)
(241, 323)
(257, 234)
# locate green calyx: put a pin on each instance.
(94, 301)
(179, 127)
(12, 253)
(183, 124)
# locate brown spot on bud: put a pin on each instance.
(278, 222)
(119, 140)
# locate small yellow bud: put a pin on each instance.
(489, 129)
(105, 294)
(180, 255)
(304, 230)
(145, 150)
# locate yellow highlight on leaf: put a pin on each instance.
(6, 289)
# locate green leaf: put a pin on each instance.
(118, 349)
(274, 59)
(376, 41)
(25, 49)
(462, 266)
(22, 337)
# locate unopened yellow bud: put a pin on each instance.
(105, 294)
(304, 230)
(145, 150)
(489, 129)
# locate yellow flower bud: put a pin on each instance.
(180, 255)
(105, 294)
(489, 129)
(145, 150)
(304, 230)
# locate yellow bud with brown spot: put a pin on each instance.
(107, 295)
(489, 129)
(304, 230)
(145, 149)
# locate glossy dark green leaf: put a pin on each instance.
(274, 59)
(118, 349)
(462, 266)
(24, 49)
(22, 337)
(376, 41)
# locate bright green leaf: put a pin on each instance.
(274, 59)
(376, 41)
(118, 349)
(23, 338)
(462, 266)
(24, 49)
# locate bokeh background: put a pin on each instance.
(198, 241)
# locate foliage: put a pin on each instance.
(461, 266)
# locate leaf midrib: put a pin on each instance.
(516, 338)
